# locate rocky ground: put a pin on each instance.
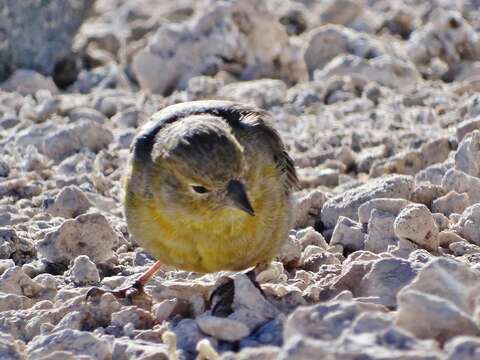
(378, 104)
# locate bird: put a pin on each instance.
(208, 188)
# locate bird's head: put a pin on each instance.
(201, 166)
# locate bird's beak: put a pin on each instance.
(237, 196)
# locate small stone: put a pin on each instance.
(468, 154)
(447, 237)
(72, 138)
(169, 308)
(308, 207)
(69, 203)
(349, 234)
(431, 317)
(139, 318)
(461, 248)
(84, 272)
(222, 328)
(15, 281)
(460, 182)
(125, 349)
(10, 348)
(249, 305)
(453, 202)
(74, 341)
(14, 302)
(441, 220)
(88, 234)
(463, 348)
(432, 174)
(347, 204)
(290, 252)
(384, 70)
(466, 127)
(128, 118)
(263, 93)
(467, 226)
(388, 205)
(324, 321)
(309, 236)
(380, 233)
(426, 193)
(27, 81)
(81, 113)
(385, 279)
(314, 261)
(415, 223)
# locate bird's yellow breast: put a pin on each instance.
(223, 239)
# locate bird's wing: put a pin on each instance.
(236, 115)
(284, 162)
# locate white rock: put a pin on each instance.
(385, 70)
(84, 272)
(262, 93)
(10, 348)
(426, 193)
(467, 226)
(15, 281)
(88, 234)
(432, 174)
(27, 81)
(255, 48)
(347, 204)
(441, 278)
(309, 236)
(139, 318)
(14, 302)
(74, 341)
(308, 207)
(126, 349)
(466, 127)
(249, 305)
(222, 328)
(291, 251)
(69, 203)
(467, 156)
(446, 35)
(388, 205)
(463, 348)
(72, 138)
(447, 237)
(167, 308)
(453, 202)
(455, 180)
(349, 234)
(415, 223)
(385, 279)
(380, 233)
(431, 317)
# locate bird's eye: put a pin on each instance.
(200, 189)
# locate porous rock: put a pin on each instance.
(88, 234)
(347, 204)
(69, 203)
(415, 223)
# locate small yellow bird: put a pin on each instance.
(208, 188)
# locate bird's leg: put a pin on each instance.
(222, 296)
(126, 291)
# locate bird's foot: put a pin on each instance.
(125, 292)
(129, 291)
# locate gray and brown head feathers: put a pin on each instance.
(218, 115)
(202, 148)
